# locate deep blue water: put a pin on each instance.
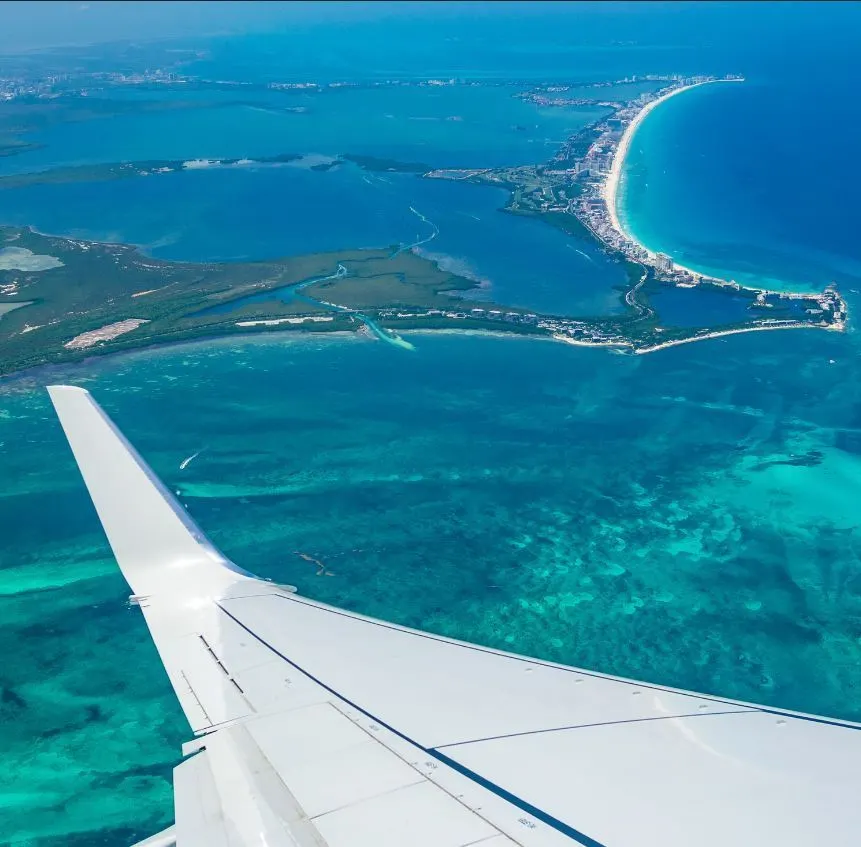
(548, 41)
(688, 517)
(755, 181)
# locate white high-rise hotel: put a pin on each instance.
(663, 262)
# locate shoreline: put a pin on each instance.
(42, 373)
(593, 206)
(607, 226)
(611, 186)
(52, 370)
(278, 334)
(719, 333)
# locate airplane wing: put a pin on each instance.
(318, 726)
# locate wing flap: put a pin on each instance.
(200, 821)
(582, 753)
(747, 778)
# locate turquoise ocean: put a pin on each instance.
(688, 517)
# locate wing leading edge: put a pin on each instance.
(317, 726)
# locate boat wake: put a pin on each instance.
(584, 255)
(186, 462)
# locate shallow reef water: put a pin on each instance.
(687, 518)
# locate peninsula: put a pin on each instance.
(578, 192)
(603, 219)
(63, 299)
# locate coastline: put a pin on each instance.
(610, 188)
(419, 298)
(599, 212)
(42, 373)
(719, 333)
(47, 371)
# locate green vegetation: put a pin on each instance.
(125, 300)
(374, 163)
(580, 143)
(570, 225)
(63, 299)
(98, 285)
(125, 170)
(404, 280)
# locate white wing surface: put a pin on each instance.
(317, 726)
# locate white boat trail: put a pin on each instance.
(584, 255)
(186, 462)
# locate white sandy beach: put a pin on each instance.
(611, 184)
(720, 333)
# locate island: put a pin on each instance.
(64, 299)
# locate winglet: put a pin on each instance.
(157, 545)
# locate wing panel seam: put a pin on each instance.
(593, 726)
(518, 802)
(196, 698)
(538, 662)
